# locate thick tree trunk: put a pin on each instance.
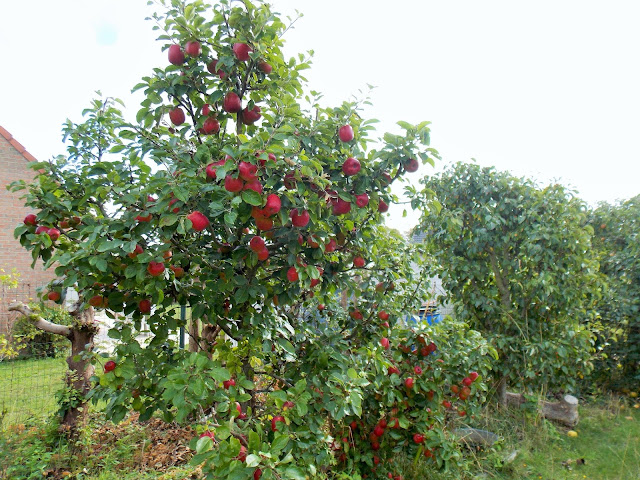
(81, 335)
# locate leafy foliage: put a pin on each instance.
(517, 260)
(617, 243)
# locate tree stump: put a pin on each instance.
(565, 411)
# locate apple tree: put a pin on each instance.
(617, 244)
(517, 261)
(265, 218)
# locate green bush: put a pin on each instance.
(33, 342)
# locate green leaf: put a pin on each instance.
(168, 220)
(252, 198)
(294, 473)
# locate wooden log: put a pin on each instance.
(565, 411)
(474, 437)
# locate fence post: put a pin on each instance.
(183, 317)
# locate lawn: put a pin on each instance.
(27, 388)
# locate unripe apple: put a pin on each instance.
(155, 268)
(241, 51)
(53, 296)
(177, 116)
(144, 306)
(299, 219)
(233, 184)
(362, 200)
(176, 55)
(193, 48)
(351, 166)
(383, 207)
(109, 366)
(198, 221)
(273, 204)
(409, 382)
(411, 165)
(359, 262)
(264, 67)
(232, 103)
(31, 220)
(211, 125)
(292, 274)
(54, 234)
(345, 133)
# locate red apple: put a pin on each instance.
(254, 185)
(321, 306)
(53, 296)
(331, 246)
(53, 233)
(409, 382)
(411, 165)
(341, 207)
(232, 103)
(292, 274)
(176, 55)
(193, 48)
(30, 219)
(351, 166)
(177, 271)
(109, 366)
(345, 133)
(384, 341)
(356, 314)
(247, 171)
(198, 221)
(417, 370)
(98, 301)
(233, 184)
(211, 125)
(249, 117)
(144, 306)
(257, 474)
(382, 315)
(359, 262)
(275, 420)
(228, 383)
(391, 370)
(378, 431)
(418, 438)
(299, 219)
(273, 204)
(155, 268)
(264, 223)
(241, 51)
(264, 67)
(256, 243)
(209, 434)
(242, 456)
(177, 116)
(140, 218)
(211, 169)
(466, 381)
(362, 200)
(263, 254)
(383, 207)
(136, 251)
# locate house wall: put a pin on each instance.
(14, 166)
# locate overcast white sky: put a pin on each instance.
(547, 89)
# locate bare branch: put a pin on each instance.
(40, 322)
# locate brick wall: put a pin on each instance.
(13, 166)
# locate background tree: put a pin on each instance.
(517, 261)
(617, 243)
(230, 198)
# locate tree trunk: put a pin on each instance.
(80, 367)
(194, 335)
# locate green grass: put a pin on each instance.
(27, 388)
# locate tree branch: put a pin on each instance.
(40, 322)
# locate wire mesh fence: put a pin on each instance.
(28, 385)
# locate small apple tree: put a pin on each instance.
(517, 260)
(265, 219)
